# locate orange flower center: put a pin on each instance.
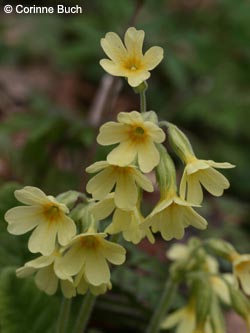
(132, 64)
(137, 134)
(89, 242)
(51, 212)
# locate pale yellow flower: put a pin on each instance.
(184, 320)
(172, 215)
(46, 277)
(127, 222)
(209, 265)
(46, 215)
(128, 61)
(136, 138)
(82, 285)
(125, 179)
(88, 254)
(201, 172)
(241, 270)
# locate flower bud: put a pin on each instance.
(150, 116)
(179, 143)
(202, 292)
(221, 248)
(70, 198)
(240, 302)
(165, 172)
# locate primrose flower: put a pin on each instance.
(241, 270)
(136, 138)
(172, 215)
(127, 222)
(88, 254)
(209, 264)
(125, 179)
(201, 172)
(46, 215)
(128, 61)
(184, 319)
(46, 277)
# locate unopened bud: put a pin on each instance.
(202, 292)
(221, 248)
(240, 302)
(179, 143)
(165, 172)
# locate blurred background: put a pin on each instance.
(54, 96)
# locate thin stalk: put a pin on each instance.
(143, 101)
(84, 313)
(162, 308)
(63, 316)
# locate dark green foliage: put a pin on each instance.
(23, 308)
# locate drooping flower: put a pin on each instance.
(46, 215)
(128, 61)
(172, 215)
(125, 179)
(201, 172)
(209, 265)
(184, 319)
(241, 270)
(127, 222)
(136, 138)
(46, 277)
(88, 254)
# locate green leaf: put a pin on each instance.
(24, 308)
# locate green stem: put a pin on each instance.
(162, 308)
(84, 313)
(63, 316)
(143, 101)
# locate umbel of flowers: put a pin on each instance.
(74, 250)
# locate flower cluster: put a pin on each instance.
(78, 262)
(74, 251)
(208, 288)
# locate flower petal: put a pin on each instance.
(114, 253)
(46, 280)
(101, 184)
(194, 190)
(130, 118)
(137, 77)
(97, 166)
(191, 217)
(113, 47)
(71, 263)
(153, 57)
(103, 208)
(111, 133)
(148, 156)
(134, 41)
(23, 219)
(68, 289)
(126, 192)
(43, 238)
(96, 268)
(124, 154)
(143, 181)
(30, 195)
(112, 68)
(213, 181)
(66, 230)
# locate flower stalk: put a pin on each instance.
(64, 314)
(163, 306)
(84, 313)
